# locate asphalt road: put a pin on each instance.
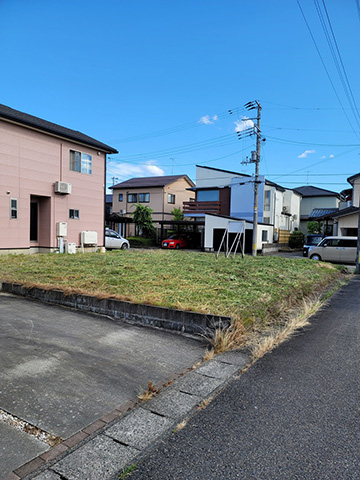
(62, 369)
(293, 415)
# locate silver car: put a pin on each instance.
(335, 249)
(115, 240)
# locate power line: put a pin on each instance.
(336, 55)
(284, 140)
(325, 68)
(179, 128)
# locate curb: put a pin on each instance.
(124, 436)
(128, 312)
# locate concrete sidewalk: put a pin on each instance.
(125, 440)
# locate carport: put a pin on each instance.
(195, 229)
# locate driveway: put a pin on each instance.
(61, 370)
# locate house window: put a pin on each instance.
(144, 197)
(208, 195)
(264, 236)
(13, 208)
(266, 220)
(74, 214)
(80, 162)
(267, 200)
(132, 197)
(121, 197)
(171, 198)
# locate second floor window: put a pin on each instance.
(80, 162)
(144, 197)
(120, 197)
(171, 198)
(208, 195)
(132, 198)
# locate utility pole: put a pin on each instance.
(255, 157)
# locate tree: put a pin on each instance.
(143, 220)
(178, 214)
(314, 227)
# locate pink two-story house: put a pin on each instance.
(52, 185)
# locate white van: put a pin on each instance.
(335, 249)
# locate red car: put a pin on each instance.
(176, 241)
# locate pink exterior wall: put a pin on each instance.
(31, 162)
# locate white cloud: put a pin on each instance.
(124, 171)
(323, 156)
(331, 156)
(208, 120)
(243, 124)
(306, 153)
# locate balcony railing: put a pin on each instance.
(201, 207)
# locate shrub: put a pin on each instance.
(141, 242)
(296, 240)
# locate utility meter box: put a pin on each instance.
(61, 229)
(89, 238)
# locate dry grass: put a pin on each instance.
(149, 393)
(228, 339)
(181, 425)
(291, 325)
(205, 403)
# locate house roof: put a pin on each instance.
(267, 182)
(352, 178)
(310, 191)
(272, 184)
(344, 212)
(322, 212)
(20, 118)
(148, 182)
(225, 171)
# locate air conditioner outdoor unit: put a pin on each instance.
(89, 238)
(62, 187)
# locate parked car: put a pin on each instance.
(178, 240)
(335, 249)
(311, 241)
(115, 240)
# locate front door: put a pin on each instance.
(34, 221)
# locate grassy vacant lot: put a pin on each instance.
(251, 290)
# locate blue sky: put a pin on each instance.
(155, 80)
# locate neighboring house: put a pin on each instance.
(346, 218)
(52, 184)
(161, 194)
(230, 195)
(317, 202)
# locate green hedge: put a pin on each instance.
(296, 239)
(141, 242)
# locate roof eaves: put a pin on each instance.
(35, 123)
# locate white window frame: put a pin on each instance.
(80, 162)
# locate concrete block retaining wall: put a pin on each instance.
(122, 311)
